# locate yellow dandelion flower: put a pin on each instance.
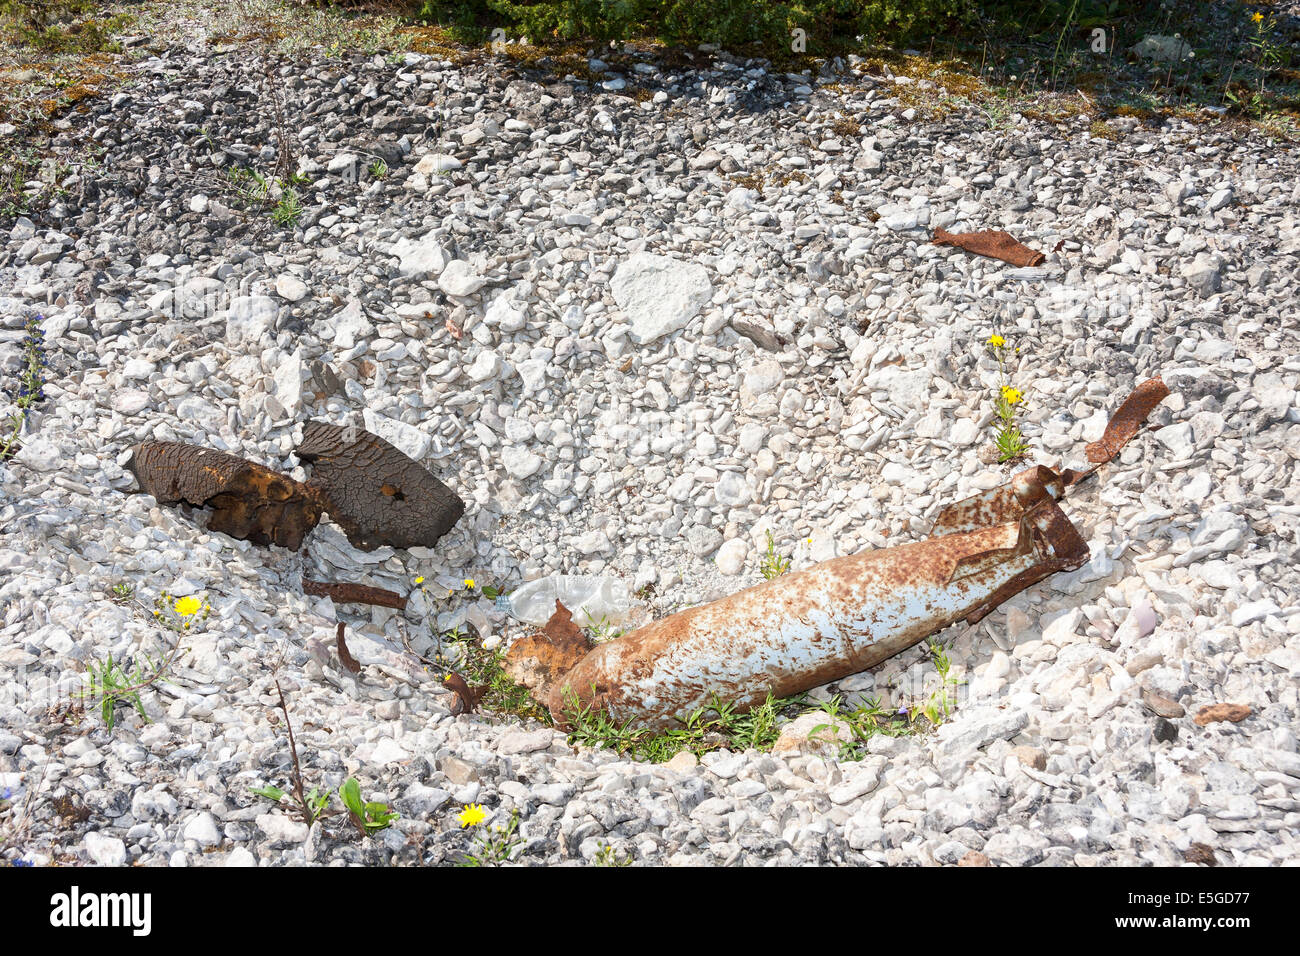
(1257, 17)
(472, 815)
(420, 579)
(469, 583)
(1012, 396)
(997, 341)
(187, 606)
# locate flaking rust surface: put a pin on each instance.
(248, 500)
(538, 660)
(378, 495)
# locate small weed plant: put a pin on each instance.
(714, 727)
(314, 806)
(255, 189)
(864, 721)
(939, 706)
(493, 846)
(1266, 52)
(367, 816)
(31, 385)
(288, 209)
(111, 684)
(608, 856)
(604, 630)
(310, 805)
(1010, 443)
(774, 563)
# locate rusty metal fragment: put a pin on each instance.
(538, 660)
(1213, 713)
(346, 592)
(248, 500)
(345, 656)
(467, 698)
(378, 495)
(1201, 853)
(993, 243)
(1124, 424)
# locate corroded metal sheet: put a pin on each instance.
(801, 630)
(993, 243)
(378, 495)
(1003, 503)
(1126, 422)
(248, 500)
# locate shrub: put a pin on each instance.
(60, 26)
(729, 23)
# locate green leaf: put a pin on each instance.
(270, 792)
(351, 794)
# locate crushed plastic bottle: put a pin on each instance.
(591, 599)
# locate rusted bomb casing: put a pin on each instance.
(804, 629)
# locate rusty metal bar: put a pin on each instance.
(346, 592)
(1124, 424)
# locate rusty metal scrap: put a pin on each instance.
(346, 592)
(349, 662)
(1213, 713)
(1124, 424)
(248, 500)
(805, 629)
(993, 243)
(378, 495)
(538, 660)
(467, 698)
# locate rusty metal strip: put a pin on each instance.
(993, 243)
(349, 662)
(346, 592)
(1124, 424)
